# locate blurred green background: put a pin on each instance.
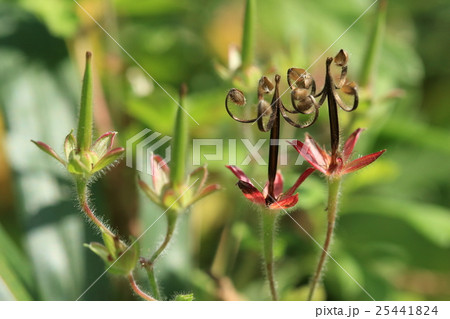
(393, 233)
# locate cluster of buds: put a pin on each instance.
(119, 258)
(171, 190)
(179, 198)
(82, 157)
(83, 160)
(85, 163)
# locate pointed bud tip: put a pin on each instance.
(88, 55)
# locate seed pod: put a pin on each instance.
(237, 97)
(341, 59)
(264, 108)
(350, 88)
(306, 106)
(299, 78)
(299, 94)
(265, 86)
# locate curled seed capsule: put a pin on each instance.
(306, 106)
(237, 97)
(264, 108)
(265, 86)
(341, 59)
(299, 94)
(308, 80)
(349, 88)
(299, 78)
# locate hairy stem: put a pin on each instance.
(268, 234)
(138, 290)
(333, 196)
(82, 198)
(149, 263)
(152, 279)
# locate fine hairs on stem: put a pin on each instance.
(82, 193)
(333, 197)
(268, 228)
(138, 290)
(149, 263)
(177, 178)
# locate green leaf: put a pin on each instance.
(38, 102)
(15, 272)
(186, 297)
(430, 220)
(59, 16)
(11, 288)
(424, 136)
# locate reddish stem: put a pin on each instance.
(138, 290)
(96, 221)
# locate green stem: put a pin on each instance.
(333, 197)
(179, 144)
(84, 132)
(150, 263)
(248, 34)
(83, 200)
(153, 283)
(374, 45)
(268, 234)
